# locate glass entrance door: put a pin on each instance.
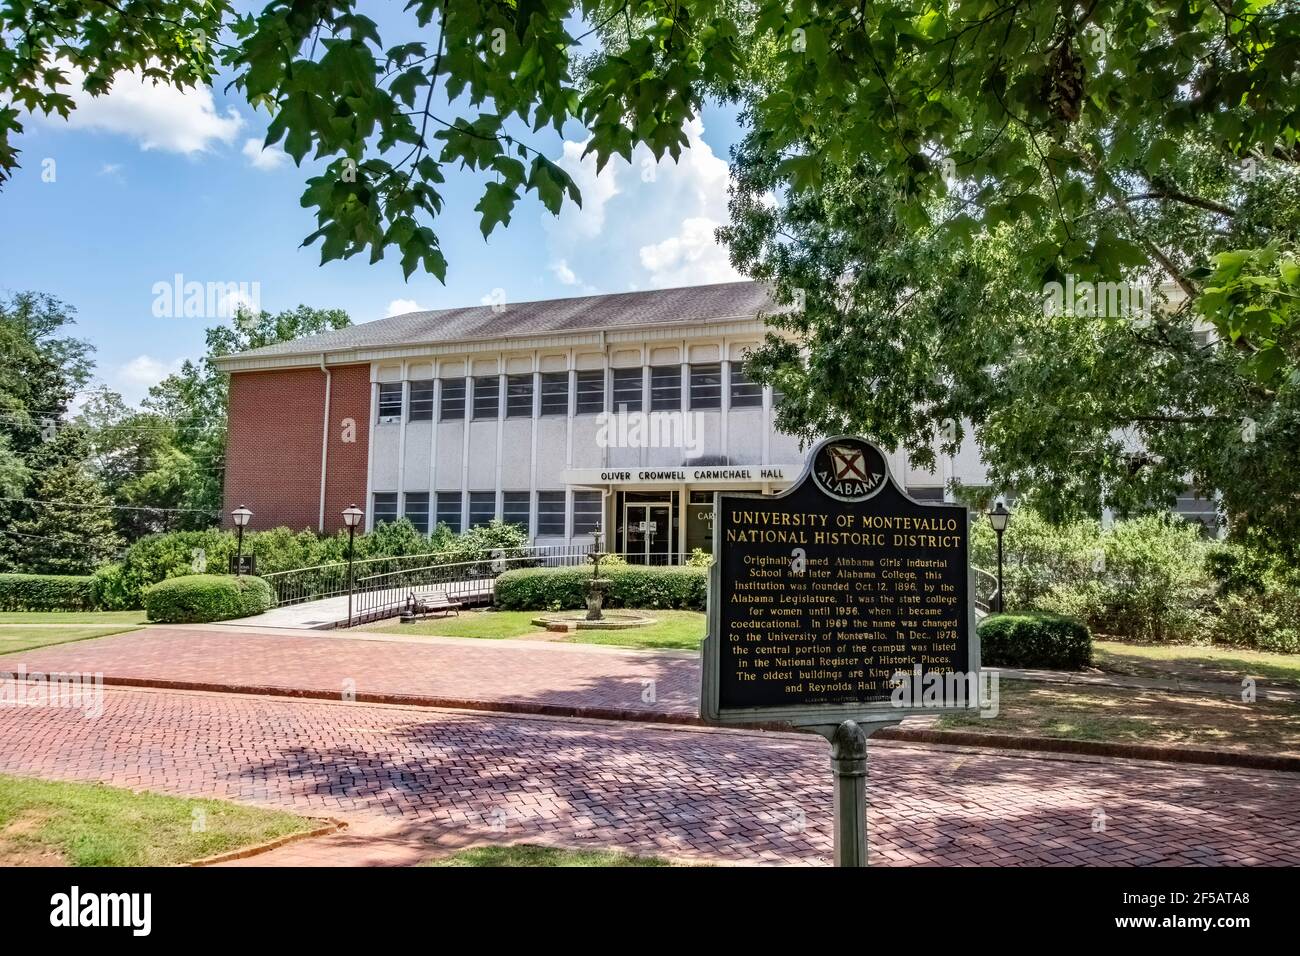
(648, 533)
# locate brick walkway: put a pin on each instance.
(682, 792)
(465, 669)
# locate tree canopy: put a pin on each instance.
(1002, 148)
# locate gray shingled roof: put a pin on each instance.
(690, 305)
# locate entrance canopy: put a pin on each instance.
(669, 476)
(661, 514)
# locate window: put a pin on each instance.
(589, 398)
(627, 390)
(586, 512)
(385, 508)
(420, 407)
(482, 507)
(1194, 508)
(550, 513)
(519, 396)
(448, 505)
(706, 386)
(926, 494)
(666, 388)
(514, 508)
(555, 393)
(390, 402)
(417, 511)
(745, 392)
(453, 400)
(487, 397)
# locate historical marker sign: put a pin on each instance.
(823, 595)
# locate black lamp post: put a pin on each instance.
(352, 516)
(999, 518)
(240, 517)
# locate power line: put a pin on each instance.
(63, 541)
(78, 504)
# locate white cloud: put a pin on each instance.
(564, 273)
(155, 115)
(588, 220)
(644, 224)
(691, 257)
(402, 306)
(133, 379)
(272, 157)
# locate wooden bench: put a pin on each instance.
(430, 602)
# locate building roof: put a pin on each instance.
(691, 305)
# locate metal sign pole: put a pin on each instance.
(848, 742)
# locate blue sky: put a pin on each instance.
(149, 182)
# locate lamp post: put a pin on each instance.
(999, 518)
(352, 516)
(240, 517)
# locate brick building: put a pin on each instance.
(620, 411)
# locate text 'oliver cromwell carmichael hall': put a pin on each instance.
(625, 412)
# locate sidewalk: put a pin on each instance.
(540, 676)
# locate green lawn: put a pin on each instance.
(674, 629)
(45, 823)
(26, 630)
(1125, 715)
(525, 854)
(1195, 662)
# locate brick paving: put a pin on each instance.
(730, 796)
(465, 669)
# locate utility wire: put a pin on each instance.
(79, 504)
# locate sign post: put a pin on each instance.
(837, 607)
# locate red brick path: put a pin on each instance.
(468, 669)
(726, 795)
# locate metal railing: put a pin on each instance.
(321, 581)
(986, 591)
(384, 594)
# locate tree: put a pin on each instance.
(337, 90)
(68, 527)
(931, 91)
(916, 337)
(41, 370)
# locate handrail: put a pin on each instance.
(987, 578)
(403, 557)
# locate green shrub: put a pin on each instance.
(198, 598)
(1034, 639)
(539, 589)
(159, 557)
(1142, 579)
(46, 592)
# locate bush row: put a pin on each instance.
(1034, 639)
(176, 554)
(544, 589)
(199, 598)
(1151, 579)
(47, 592)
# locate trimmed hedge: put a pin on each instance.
(47, 592)
(541, 589)
(199, 598)
(1035, 639)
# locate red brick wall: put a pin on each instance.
(273, 458)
